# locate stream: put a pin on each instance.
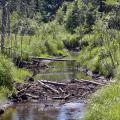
(75, 110)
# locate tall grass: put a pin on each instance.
(47, 41)
(4, 93)
(8, 74)
(105, 104)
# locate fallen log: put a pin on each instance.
(67, 96)
(61, 90)
(51, 59)
(48, 87)
(53, 83)
(32, 96)
(88, 81)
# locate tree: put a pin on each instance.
(75, 18)
(3, 28)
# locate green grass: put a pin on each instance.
(111, 1)
(105, 104)
(8, 74)
(4, 93)
(48, 41)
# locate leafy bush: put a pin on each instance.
(114, 23)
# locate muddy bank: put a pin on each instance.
(94, 75)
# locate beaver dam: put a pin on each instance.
(58, 90)
(47, 90)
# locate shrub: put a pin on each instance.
(114, 23)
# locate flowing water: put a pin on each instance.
(33, 111)
(58, 71)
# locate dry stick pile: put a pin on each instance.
(48, 90)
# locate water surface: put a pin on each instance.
(35, 111)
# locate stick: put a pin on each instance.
(53, 83)
(61, 90)
(32, 96)
(61, 98)
(48, 87)
(91, 82)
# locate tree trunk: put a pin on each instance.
(8, 19)
(3, 27)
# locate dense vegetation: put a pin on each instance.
(47, 28)
(55, 27)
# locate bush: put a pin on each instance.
(114, 23)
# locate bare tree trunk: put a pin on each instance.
(8, 19)
(4, 20)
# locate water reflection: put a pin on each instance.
(69, 111)
(61, 71)
(29, 112)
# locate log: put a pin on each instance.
(58, 98)
(53, 83)
(90, 82)
(51, 59)
(32, 96)
(62, 98)
(67, 96)
(61, 90)
(48, 87)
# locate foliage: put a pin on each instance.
(75, 18)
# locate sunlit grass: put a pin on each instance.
(4, 92)
(8, 74)
(105, 104)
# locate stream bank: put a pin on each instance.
(54, 87)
